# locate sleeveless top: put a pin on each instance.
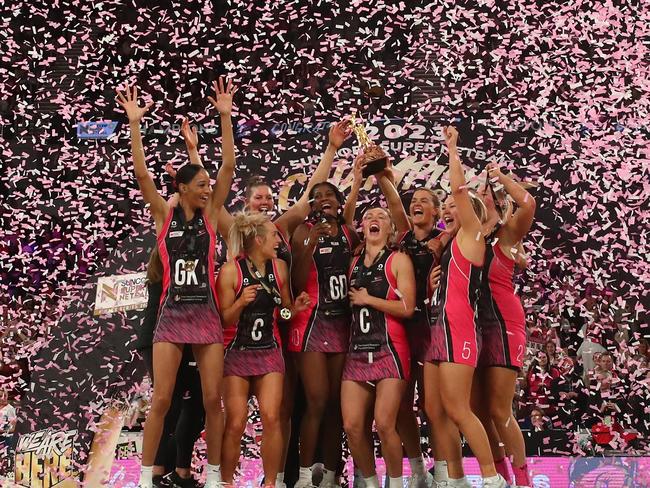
(327, 283)
(423, 262)
(370, 327)
(257, 327)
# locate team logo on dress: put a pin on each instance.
(245, 281)
(176, 233)
(173, 223)
(380, 266)
(271, 278)
(200, 222)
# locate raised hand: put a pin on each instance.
(451, 135)
(493, 170)
(128, 100)
(190, 135)
(223, 96)
(169, 168)
(387, 172)
(339, 132)
(357, 169)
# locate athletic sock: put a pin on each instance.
(502, 468)
(146, 477)
(305, 474)
(213, 474)
(372, 482)
(417, 466)
(521, 475)
(329, 476)
(440, 472)
(396, 482)
(280, 478)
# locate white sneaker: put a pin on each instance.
(280, 484)
(421, 481)
(495, 482)
(449, 483)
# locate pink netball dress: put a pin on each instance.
(325, 325)
(378, 347)
(188, 311)
(253, 344)
(500, 313)
(455, 336)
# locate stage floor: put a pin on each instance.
(547, 472)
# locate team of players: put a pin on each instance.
(365, 321)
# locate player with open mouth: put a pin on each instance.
(377, 365)
(319, 336)
(259, 198)
(455, 336)
(502, 321)
(420, 238)
(188, 308)
(253, 295)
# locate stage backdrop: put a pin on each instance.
(89, 361)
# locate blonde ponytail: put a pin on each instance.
(245, 228)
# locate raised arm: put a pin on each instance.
(223, 103)
(350, 207)
(128, 100)
(387, 184)
(303, 243)
(224, 219)
(404, 306)
(191, 138)
(469, 222)
(519, 224)
(297, 213)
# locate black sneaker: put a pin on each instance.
(158, 481)
(173, 480)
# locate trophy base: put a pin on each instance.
(375, 166)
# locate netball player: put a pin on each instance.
(455, 339)
(259, 198)
(185, 417)
(377, 365)
(322, 249)
(253, 289)
(502, 322)
(188, 311)
(418, 237)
